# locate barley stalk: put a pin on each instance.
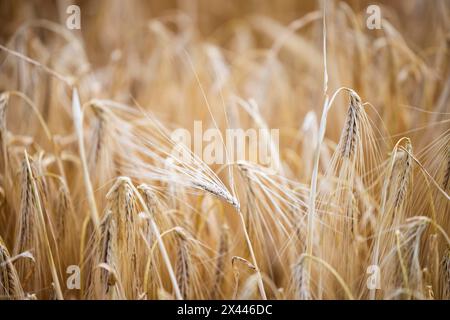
(78, 123)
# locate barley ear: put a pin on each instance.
(183, 265)
(10, 286)
(351, 132)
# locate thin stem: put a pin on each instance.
(333, 271)
(161, 245)
(252, 254)
(78, 123)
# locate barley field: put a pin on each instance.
(99, 201)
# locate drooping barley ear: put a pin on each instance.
(98, 136)
(150, 198)
(107, 252)
(26, 228)
(351, 132)
(445, 271)
(122, 203)
(152, 203)
(220, 264)
(101, 154)
(63, 207)
(300, 287)
(67, 234)
(401, 173)
(219, 192)
(183, 264)
(10, 286)
(42, 237)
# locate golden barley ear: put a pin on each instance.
(98, 136)
(10, 286)
(301, 289)
(402, 173)
(27, 225)
(107, 254)
(102, 153)
(122, 204)
(64, 210)
(351, 133)
(183, 264)
(218, 191)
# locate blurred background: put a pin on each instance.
(417, 20)
(148, 50)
